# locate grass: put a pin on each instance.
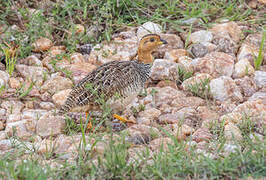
(258, 60)
(201, 89)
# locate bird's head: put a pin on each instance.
(148, 44)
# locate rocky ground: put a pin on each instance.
(204, 86)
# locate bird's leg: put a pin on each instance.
(124, 120)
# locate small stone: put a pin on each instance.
(232, 132)
(49, 125)
(159, 143)
(185, 63)
(2, 126)
(4, 77)
(253, 4)
(181, 132)
(196, 80)
(257, 96)
(33, 113)
(36, 74)
(201, 36)
(56, 50)
(175, 54)
(42, 44)
(225, 45)
(56, 83)
(243, 68)
(188, 116)
(13, 118)
(207, 116)
(45, 146)
(80, 70)
(47, 105)
(2, 135)
(18, 129)
(173, 42)
(151, 114)
(165, 83)
(182, 101)
(228, 30)
(260, 78)
(14, 83)
(168, 119)
(252, 109)
(262, 1)
(5, 144)
(77, 58)
(198, 50)
(32, 61)
(215, 63)
(224, 88)
(85, 49)
(148, 28)
(202, 134)
(234, 117)
(247, 85)
(60, 97)
(227, 106)
(163, 69)
(12, 106)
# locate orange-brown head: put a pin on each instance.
(148, 44)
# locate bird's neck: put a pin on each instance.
(145, 56)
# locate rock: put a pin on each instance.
(185, 63)
(234, 117)
(46, 146)
(181, 132)
(182, 101)
(14, 83)
(227, 106)
(148, 28)
(207, 116)
(262, 1)
(13, 118)
(36, 74)
(4, 77)
(159, 143)
(80, 70)
(232, 132)
(49, 125)
(165, 83)
(253, 4)
(77, 58)
(247, 86)
(260, 78)
(12, 107)
(215, 63)
(5, 144)
(56, 50)
(56, 83)
(148, 115)
(225, 45)
(85, 49)
(224, 88)
(2, 135)
(168, 119)
(202, 134)
(165, 95)
(201, 36)
(42, 44)
(257, 96)
(188, 116)
(138, 155)
(163, 69)
(242, 68)
(175, 54)
(60, 97)
(251, 108)
(140, 134)
(18, 129)
(47, 105)
(228, 30)
(32, 61)
(196, 80)
(2, 126)
(33, 114)
(198, 50)
(173, 42)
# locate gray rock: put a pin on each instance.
(163, 69)
(260, 78)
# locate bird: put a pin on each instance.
(115, 80)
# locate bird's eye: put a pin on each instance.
(152, 40)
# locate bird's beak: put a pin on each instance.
(163, 41)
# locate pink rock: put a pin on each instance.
(42, 44)
(202, 134)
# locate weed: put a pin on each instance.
(258, 60)
(10, 54)
(183, 74)
(201, 89)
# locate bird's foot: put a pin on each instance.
(124, 120)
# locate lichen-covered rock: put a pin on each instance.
(60, 97)
(148, 28)
(42, 44)
(232, 133)
(215, 63)
(224, 88)
(260, 78)
(4, 77)
(242, 68)
(163, 69)
(56, 83)
(49, 125)
(201, 36)
(225, 45)
(36, 74)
